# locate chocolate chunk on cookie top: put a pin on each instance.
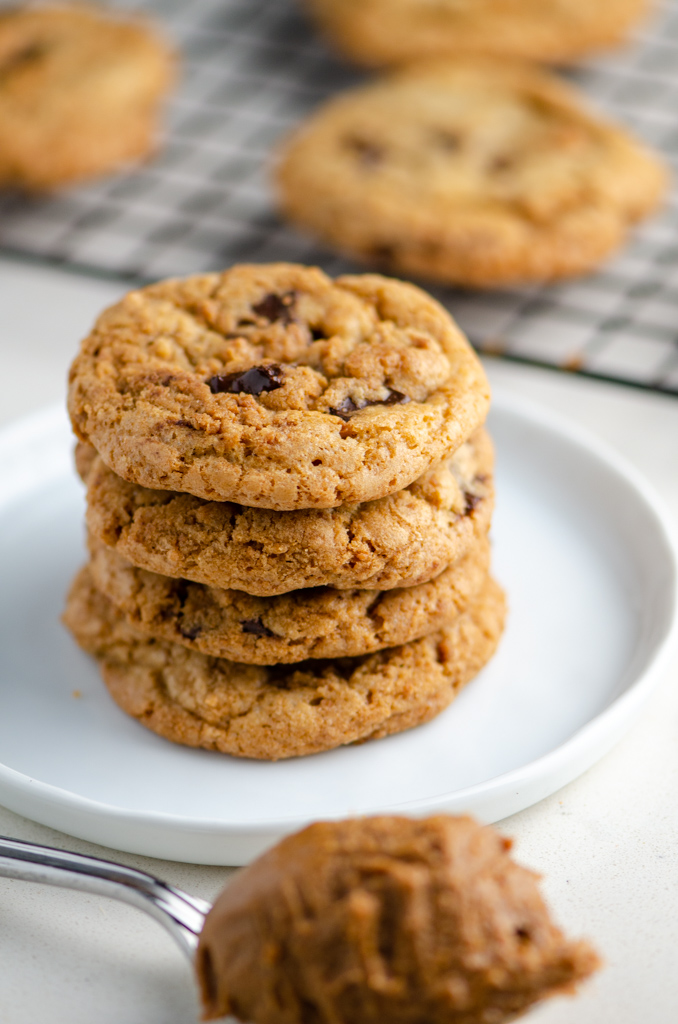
(477, 172)
(276, 387)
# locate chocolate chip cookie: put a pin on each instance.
(321, 622)
(279, 712)
(80, 92)
(397, 541)
(477, 172)
(276, 387)
(374, 32)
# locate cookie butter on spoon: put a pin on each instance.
(385, 919)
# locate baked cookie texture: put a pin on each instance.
(320, 622)
(397, 541)
(378, 32)
(275, 387)
(80, 93)
(385, 919)
(474, 171)
(280, 712)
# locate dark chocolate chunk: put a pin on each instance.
(369, 153)
(345, 408)
(502, 163)
(256, 627)
(348, 406)
(28, 55)
(277, 307)
(447, 140)
(248, 382)
(394, 398)
(472, 500)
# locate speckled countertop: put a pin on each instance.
(607, 844)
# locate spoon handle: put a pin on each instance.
(182, 915)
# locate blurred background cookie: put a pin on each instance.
(474, 171)
(80, 93)
(376, 32)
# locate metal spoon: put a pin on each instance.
(182, 915)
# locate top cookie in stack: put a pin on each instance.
(275, 387)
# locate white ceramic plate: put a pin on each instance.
(581, 547)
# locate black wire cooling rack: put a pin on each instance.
(251, 70)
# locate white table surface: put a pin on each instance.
(607, 844)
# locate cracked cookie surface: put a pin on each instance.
(374, 32)
(283, 711)
(80, 92)
(477, 172)
(321, 622)
(276, 387)
(397, 541)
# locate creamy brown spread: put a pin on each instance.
(385, 919)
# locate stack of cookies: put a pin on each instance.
(289, 492)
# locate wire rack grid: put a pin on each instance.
(254, 68)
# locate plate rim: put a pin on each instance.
(562, 763)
